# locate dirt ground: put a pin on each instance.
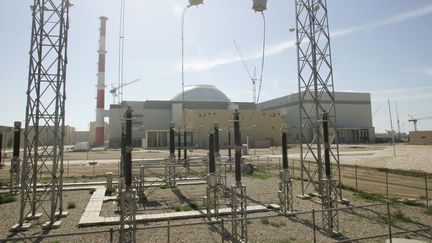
(362, 168)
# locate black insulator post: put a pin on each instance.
(212, 164)
(179, 144)
(237, 144)
(123, 145)
(284, 150)
(184, 146)
(216, 137)
(128, 149)
(1, 148)
(172, 140)
(17, 136)
(326, 146)
(229, 144)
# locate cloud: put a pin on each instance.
(201, 65)
(428, 71)
(410, 94)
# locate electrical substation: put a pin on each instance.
(200, 178)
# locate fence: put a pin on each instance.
(304, 226)
(387, 182)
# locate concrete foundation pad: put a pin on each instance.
(97, 220)
(64, 214)
(344, 201)
(400, 240)
(48, 225)
(303, 196)
(33, 217)
(18, 227)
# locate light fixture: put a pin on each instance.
(259, 5)
(316, 7)
(195, 2)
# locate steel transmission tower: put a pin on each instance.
(316, 96)
(42, 167)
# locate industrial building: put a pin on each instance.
(260, 123)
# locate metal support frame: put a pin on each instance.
(329, 196)
(212, 181)
(286, 193)
(141, 187)
(127, 216)
(212, 202)
(45, 113)
(316, 93)
(127, 194)
(238, 191)
(239, 212)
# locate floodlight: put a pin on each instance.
(316, 7)
(195, 2)
(259, 5)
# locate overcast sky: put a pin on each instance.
(382, 47)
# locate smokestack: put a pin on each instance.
(100, 104)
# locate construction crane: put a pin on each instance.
(415, 119)
(114, 90)
(252, 78)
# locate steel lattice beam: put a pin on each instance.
(45, 112)
(316, 97)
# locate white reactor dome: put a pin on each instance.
(201, 92)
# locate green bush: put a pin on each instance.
(7, 199)
(265, 221)
(374, 197)
(71, 205)
(428, 210)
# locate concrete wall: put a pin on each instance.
(420, 137)
(353, 112)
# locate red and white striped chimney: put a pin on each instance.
(100, 104)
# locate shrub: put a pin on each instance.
(265, 221)
(7, 199)
(71, 205)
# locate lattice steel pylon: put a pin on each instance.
(45, 113)
(316, 97)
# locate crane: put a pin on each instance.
(415, 119)
(252, 78)
(114, 90)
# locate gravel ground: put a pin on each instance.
(353, 223)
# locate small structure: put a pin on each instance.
(420, 137)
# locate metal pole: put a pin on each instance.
(426, 190)
(314, 227)
(1, 147)
(222, 230)
(387, 188)
(392, 132)
(229, 144)
(389, 222)
(184, 146)
(179, 144)
(111, 232)
(356, 183)
(168, 231)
